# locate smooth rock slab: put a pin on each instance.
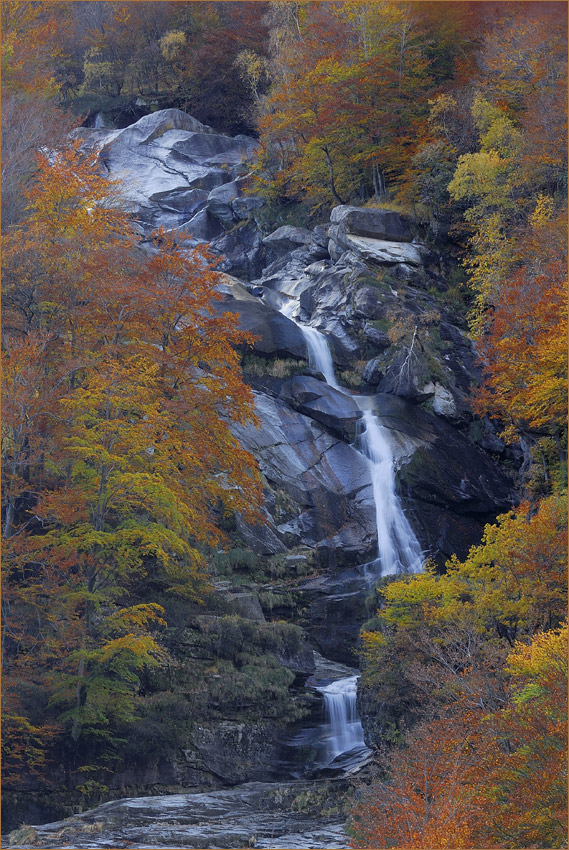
(322, 475)
(167, 152)
(253, 815)
(380, 251)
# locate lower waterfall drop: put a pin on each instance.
(344, 733)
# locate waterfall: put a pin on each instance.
(319, 356)
(343, 727)
(398, 549)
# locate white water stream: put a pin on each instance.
(343, 729)
(398, 549)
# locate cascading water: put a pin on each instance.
(398, 549)
(343, 732)
(319, 356)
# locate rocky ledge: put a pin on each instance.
(287, 815)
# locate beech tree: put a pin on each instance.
(117, 444)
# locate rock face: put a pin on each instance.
(369, 285)
(177, 173)
(379, 297)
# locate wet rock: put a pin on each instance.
(256, 814)
(449, 487)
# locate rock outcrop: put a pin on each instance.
(377, 293)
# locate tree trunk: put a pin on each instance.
(331, 173)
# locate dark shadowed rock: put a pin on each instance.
(323, 403)
(241, 251)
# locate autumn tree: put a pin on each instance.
(31, 118)
(479, 778)
(118, 446)
(349, 100)
(442, 639)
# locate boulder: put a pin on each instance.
(368, 302)
(285, 239)
(201, 227)
(275, 334)
(377, 338)
(220, 199)
(372, 223)
(321, 402)
(374, 371)
(408, 376)
(174, 207)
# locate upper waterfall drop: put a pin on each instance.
(319, 356)
(398, 550)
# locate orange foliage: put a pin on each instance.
(121, 384)
(524, 350)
